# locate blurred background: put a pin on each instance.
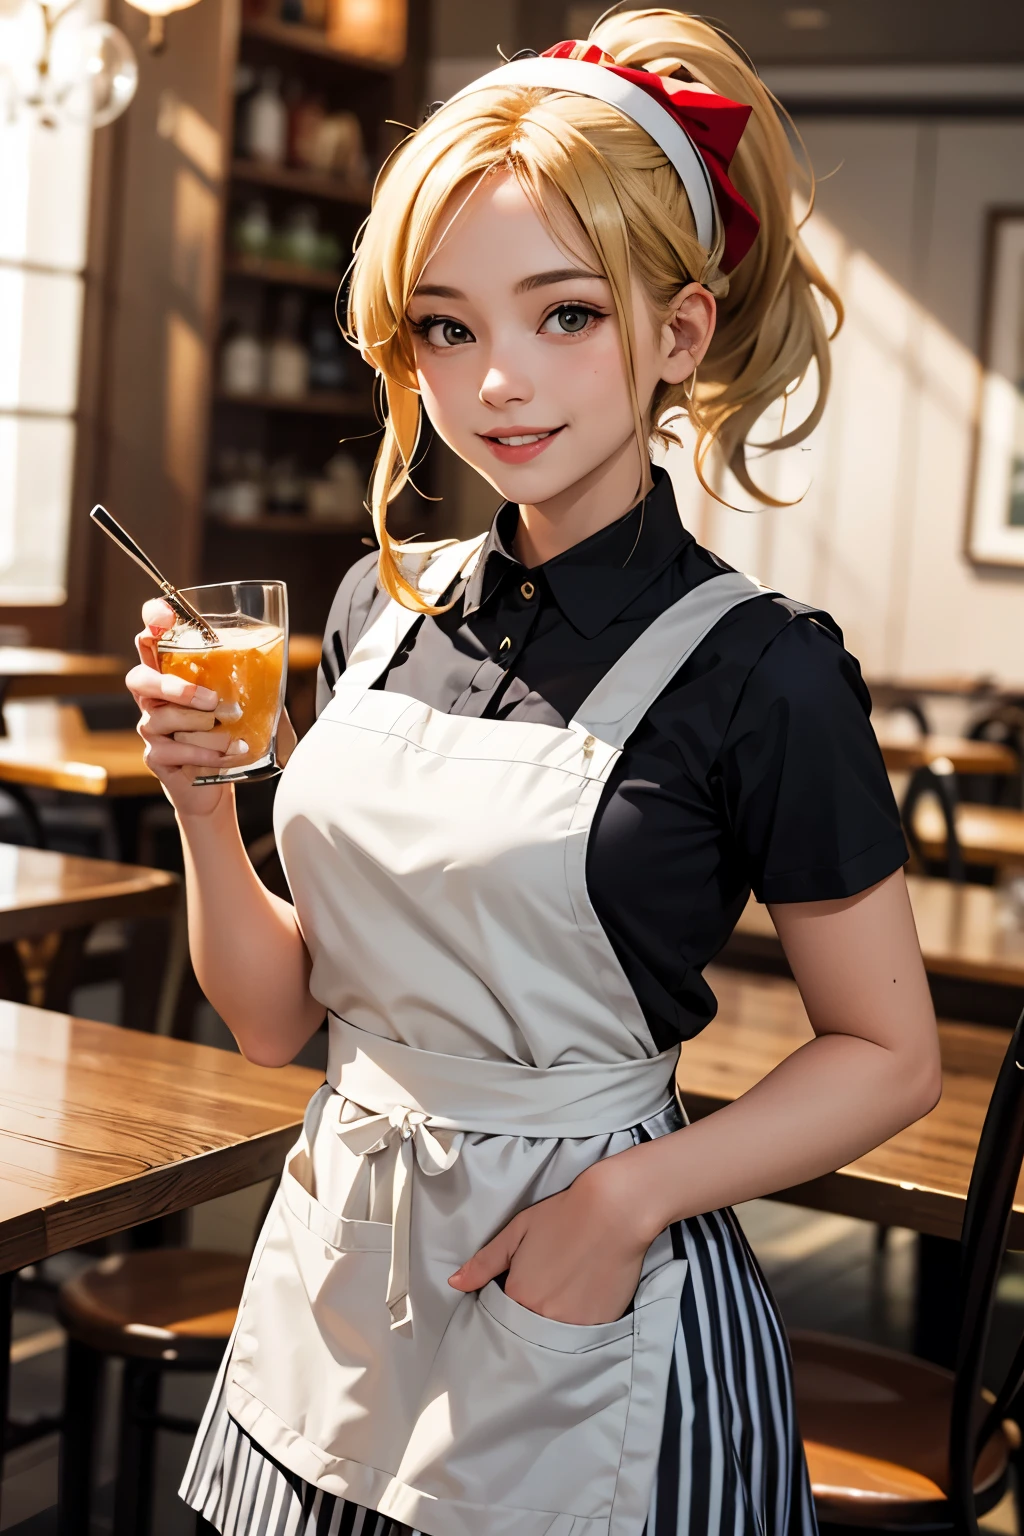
(167, 287)
(179, 191)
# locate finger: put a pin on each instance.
(158, 616)
(220, 741)
(145, 644)
(491, 1260)
(165, 719)
(162, 720)
(146, 683)
(168, 753)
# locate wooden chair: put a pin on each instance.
(159, 1310)
(894, 1443)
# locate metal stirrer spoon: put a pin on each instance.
(182, 607)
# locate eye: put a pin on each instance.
(439, 332)
(570, 319)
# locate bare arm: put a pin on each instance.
(872, 1068)
(245, 943)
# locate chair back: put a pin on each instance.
(982, 1245)
(935, 779)
(1005, 725)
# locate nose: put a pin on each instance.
(506, 382)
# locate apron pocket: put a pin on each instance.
(312, 1343)
(526, 1413)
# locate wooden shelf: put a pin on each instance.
(303, 183)
(285, 34)
(289, 272)
(287, 523)
(327, 403)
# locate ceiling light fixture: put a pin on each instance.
(64, 70)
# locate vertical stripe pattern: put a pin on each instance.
(731, 1462)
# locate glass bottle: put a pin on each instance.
(287, 358)
(266, 121)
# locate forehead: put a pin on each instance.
(492, 234)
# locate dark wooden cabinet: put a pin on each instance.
(170, 184)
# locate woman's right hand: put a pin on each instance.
(177, 723)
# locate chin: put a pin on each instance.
(528, 484)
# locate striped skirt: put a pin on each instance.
(731, 1463)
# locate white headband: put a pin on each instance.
(584, 79)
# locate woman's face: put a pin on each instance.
(518, 353)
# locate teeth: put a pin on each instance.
(517, 442)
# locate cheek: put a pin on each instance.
(445, 387)
(596, 376)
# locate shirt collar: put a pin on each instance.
(595, 580)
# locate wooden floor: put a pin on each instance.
(826, 1271)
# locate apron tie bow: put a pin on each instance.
(410, 1130)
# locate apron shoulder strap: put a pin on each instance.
(432, 568)
(616, 706)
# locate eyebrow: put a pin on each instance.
(527, 285)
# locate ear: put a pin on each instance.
(686, 332)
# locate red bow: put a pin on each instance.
(714, 123)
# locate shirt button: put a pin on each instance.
(527, 589)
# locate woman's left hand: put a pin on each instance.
(574, 1257)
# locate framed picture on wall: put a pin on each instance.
(995, 528)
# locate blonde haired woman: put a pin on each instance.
(501, 1291)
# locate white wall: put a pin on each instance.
(878, 539)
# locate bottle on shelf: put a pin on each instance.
(241, 361)
(328, 363)
(286, 489)
(300, 239)
(287, 357)
(305, 123)
(252, 233)
(265, 122)
(337, 497)
(238, 495)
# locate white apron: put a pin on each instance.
(485, 1048)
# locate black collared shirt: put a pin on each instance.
(757, 767)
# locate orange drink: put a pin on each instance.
(246, 670)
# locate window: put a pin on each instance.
(44, 204)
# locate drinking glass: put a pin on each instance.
(247, 671)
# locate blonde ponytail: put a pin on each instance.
(770, 324)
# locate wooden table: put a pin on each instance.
(49, 905)
(918, 1179)
(951, 686)
(102, 1128)
(987, 834)
(32, 672)
(49, 746)
(965, 756)
(304, 653)
(43, 892)
(968, 932)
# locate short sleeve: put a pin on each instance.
(345, 622)
(807, 794)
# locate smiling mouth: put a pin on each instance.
(520, 439)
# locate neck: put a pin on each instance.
(548, 528)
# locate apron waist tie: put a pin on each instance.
(425, 1102)
(409, 1127)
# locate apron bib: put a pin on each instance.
(485, 1048)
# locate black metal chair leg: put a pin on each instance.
(136, 1452)
(83, 1382)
